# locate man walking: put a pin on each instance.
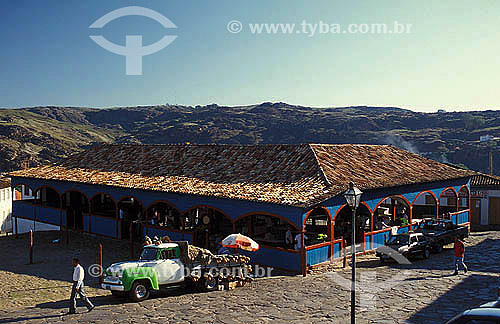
(459, 255)
(78, 276)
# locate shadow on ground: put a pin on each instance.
(458, 299)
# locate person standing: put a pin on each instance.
(298, 241)
(459, 255)
(78, 276)
(289, 238)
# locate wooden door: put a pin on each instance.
(475, 211)
(494, 207)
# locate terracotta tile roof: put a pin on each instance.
(4, 183)
(485, 181)
(298, 175)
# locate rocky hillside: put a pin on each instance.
(33, 136)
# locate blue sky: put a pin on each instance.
(449, 60)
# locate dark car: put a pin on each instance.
(406, 245)
(481, 315)
(441, 232)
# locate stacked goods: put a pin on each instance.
(227, 258)
(192, 254)
(198, 255)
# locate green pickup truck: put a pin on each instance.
(169, 264)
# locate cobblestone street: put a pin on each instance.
(423, 292)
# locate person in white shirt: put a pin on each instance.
(298, 241)
(289, 238)
(78, 276)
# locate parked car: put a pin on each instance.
(481, 315)
(493, 304)
(407, 244)
(441, 232)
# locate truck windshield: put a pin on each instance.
(149, 254)
(398, 239)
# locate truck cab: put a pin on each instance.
(406, 244)
(159, 265)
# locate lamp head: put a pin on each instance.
(353, 196)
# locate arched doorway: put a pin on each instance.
(463, 198)
(76, 205)
(209, 226)
(424, 205)
(47, 197)
(448, 202)
(342, 226)
(163, 214)
(131, 218)
(391, 211)
(267, 229)
(318, 226)
(103, 204)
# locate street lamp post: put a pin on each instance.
(353, 198)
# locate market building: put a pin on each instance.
(201, 193)
(485, 200)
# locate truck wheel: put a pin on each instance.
(139, 291)
(426, 254)
(211, 283)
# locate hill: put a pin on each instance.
(40, 135)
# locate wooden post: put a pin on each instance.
(183, 224)
(344, 244)
(100, 264)
(31, 246)
(118, 222)
(411, 218)
(60, 226)
(304, 255)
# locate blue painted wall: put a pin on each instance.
(48, 215)
(318, 255)
(379, 239)
(275, 258)
(337, 250)
(103, 225)
(23, 210)
(233, 208)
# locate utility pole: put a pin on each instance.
(491, 162)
